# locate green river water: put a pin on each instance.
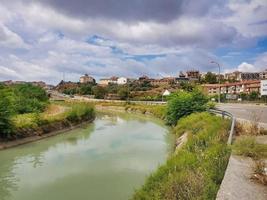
(105, 160)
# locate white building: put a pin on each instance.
(122, 81)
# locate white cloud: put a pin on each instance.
(258, 65)
(54, 41)
(246, 17)
(9, 39)
(246, 67)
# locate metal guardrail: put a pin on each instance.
(229, 115)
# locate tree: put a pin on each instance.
(5, 114)
(86, 89)
(211, 78)
(189, 87)
(99, 92)
(29, 98)
(184, 103)
(123, 93)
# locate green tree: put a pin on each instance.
(187, 86)
(211, 78)
(29, 98)
(5, 114)
(86, 89)
(184, 103)
(123, 93)
(99, 92)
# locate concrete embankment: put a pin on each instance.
(41, 133)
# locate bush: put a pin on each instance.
(184, 103)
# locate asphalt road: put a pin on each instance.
(246, 111)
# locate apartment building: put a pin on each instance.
(233, 88)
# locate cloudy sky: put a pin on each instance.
(42, 39)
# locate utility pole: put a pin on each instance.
(219, 97)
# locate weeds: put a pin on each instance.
(73, 113)
(247, 146)
(197, 169)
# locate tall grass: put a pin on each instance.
(158, 111)
(73, 113)
(247, 146)
(197, 169)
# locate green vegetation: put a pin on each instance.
(19, 99)
(247, 146)
(25, 109)
(71, 113)
(158, 111)
(184, 103)
(24, 98)
(196, 170)
(210, 78)
(77, 88)
(5, 113)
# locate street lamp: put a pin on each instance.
(219, 97)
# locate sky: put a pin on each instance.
(44, 39)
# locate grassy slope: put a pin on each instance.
(196, 170)
(69, 112)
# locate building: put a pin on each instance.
(87, 79)
(193, 75)
(235, 76)
(242, 76)
(122, 81)
(233, 88)
(182, 75)
(263, 75)
(245, 76)
(107, 81)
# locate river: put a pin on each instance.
(107, 159)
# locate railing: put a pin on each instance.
(229, 115)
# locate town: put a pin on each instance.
(133, 99)
(232, 86)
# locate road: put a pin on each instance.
(246, 111)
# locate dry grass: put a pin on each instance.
(249, 129)
(260, 172)
(54, 109)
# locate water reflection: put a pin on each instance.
(104, 160)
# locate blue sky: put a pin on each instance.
(39, 40)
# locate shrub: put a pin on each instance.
(183, 103)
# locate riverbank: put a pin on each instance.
(31, 127)
(14, 143)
